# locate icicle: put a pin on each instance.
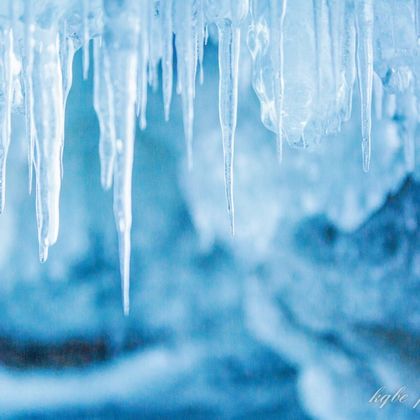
(336, 19)
(67, 51)
(334, 31)
(201, 40)
(121, 33)
(187, 62)
(6, 84)
(364, 27)
(66, 58)
(277, 12)
(227, 19)
(49, 119)
(167, 56)
(85, 27)
(324, 76)
(229, 44)
(143, 62)
(27, 83)
(155, 43)
(348, 58)
(102, 101)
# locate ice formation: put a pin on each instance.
(307, 59)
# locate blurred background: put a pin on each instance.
(304, 314)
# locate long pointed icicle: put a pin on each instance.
(6, 83)
(228, 16)
(155, 43)
(229, 45)
(201, 39)
(102, 101)
(167, 56)
(121, 48)
(27, 83)
(49, 120)
(143, 60)
(364, 55)
(67, 51)
(66, 58)
(348, 58)
(186, 48)
(278, 12)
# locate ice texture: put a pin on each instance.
(309, 309)
(307, 58)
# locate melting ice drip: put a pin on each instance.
(306, 58)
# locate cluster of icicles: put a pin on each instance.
(133, 40)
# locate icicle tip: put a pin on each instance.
(43, 253)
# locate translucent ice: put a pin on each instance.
(228, 15)
(6, 75)
(306, 57)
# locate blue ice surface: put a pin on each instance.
(308, 311)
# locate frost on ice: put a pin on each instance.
(307, 59)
